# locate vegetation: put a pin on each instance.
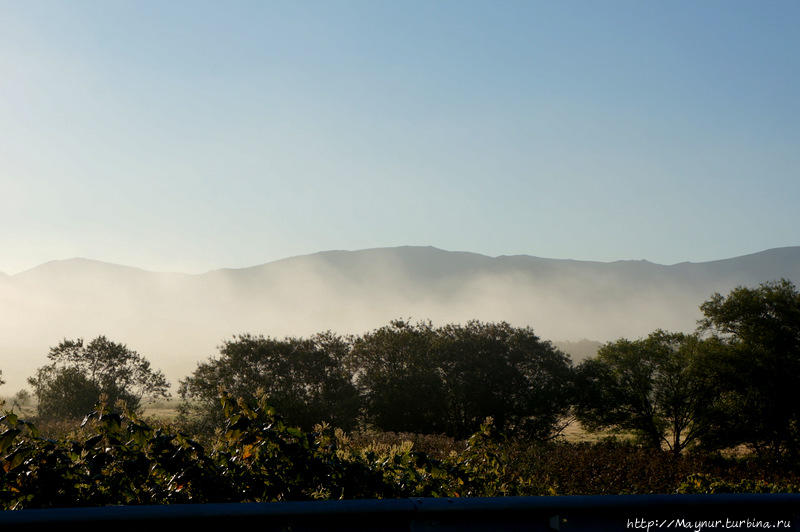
(507, 373)
(122, 459)
(79, 374)
(305, 380)
(484, 401)
(396, 370)
(758, 374)
(655, 387)
(418, 378)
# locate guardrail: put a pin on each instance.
(649, 513)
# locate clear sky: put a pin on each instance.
(189, 136)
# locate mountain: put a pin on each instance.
(177, 320)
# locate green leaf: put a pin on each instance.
(7, 438)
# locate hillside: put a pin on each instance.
(177, 320)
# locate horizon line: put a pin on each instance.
(302, 255)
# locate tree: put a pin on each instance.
(758, 375)
(305, 379)
(418, 378)
(398, 376)
(655, 387)
(80, 373)
(504, 372)
(20, 399)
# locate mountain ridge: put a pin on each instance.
(72, 260)
(178, 319)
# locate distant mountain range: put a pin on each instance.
(177, 320)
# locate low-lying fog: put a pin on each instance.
(178, 320)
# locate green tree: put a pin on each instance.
(655, 387)
(418, 378)
(504, 372)
(397, 373)
(305, 379)
(79, 373)
(758, 375)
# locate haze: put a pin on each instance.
(177, 320)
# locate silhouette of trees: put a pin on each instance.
(656, 387)
(304, 378)
(757, 377)
(504, 372)
(418, 378)
(397, 372)
(79, 373)
(733, 382)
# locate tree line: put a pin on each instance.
(732, 382)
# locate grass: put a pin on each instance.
(164, 410)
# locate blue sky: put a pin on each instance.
(195, 135)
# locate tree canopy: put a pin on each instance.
(507, 373)
(304, 378)
(418, 378)
(655, 387)
(397, 374)
(80, 373)
(758, 376)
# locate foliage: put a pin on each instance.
(701, 483)
(501, 384)
(656, 387)
(758, 375)
(80, 373)
(21, 398)
(418, 378)
(117, 458)
(506, 373)
(397, 373)
(121, 459)
(436, 445)
(304, 378)
(64, 392)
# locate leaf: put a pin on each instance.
(91, 442)
(10, 419)
(13, 461)
(247, 451)
(7, 438)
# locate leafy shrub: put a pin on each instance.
(704, 483)
(118, 458)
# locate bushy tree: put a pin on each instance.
(758, 376)
(418, 378)
(398, 374)
(80, 373)
(304, 378)
(656, 387)
(504, 372)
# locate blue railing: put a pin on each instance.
(649, 513)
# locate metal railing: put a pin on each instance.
(612, 512)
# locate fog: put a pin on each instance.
(178, 320)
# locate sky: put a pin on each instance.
(189, 136)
